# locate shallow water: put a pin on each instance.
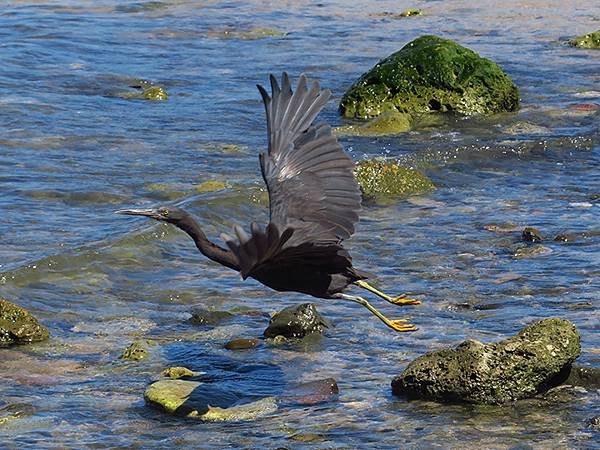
(72, 153)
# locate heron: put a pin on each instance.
(314, 201)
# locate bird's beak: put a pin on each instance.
(139, 212)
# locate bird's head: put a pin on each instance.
(170, 214)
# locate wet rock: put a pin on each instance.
(591, 40)
(211, 186)
(531, 251)
(389, 122)
(146, 90)
(313, 392)
(18, 326)
(14, 411)
(137, 351)
(203, 316)
(180, 397)
(383, 178)
(538, 358)
(241, 344)
(531, 234)
(431, 74)
(594, 423)
(247, 35)
(176, 373)
(587, 377)
(526, 128)
(501, 227)
(565, 237)
(401, 15)
(296, 322)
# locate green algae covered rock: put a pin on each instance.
(137, 351)
(591, 40)
(178, 397)
(389, 122)
(18, 326)
(380, 178)
(431, 74)
(533, 361)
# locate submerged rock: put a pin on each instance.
(531, 251)
(203, 316)
(531, 234)
(247, 35)
(180, 397)
(146, 90)
(18, 326)
(137, 351)
(175, 373)
(590, 40)
(241, 344)
(296, 322)
(384, 178)
(538, 358)
(390, 122)
(431, 74)
(313, 392)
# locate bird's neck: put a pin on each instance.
(206, 247)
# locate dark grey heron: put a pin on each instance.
(314, 203)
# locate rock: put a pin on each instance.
(431, 74)
(565, 237)
(14, 411)
(241, 344)
(296, 322)
(389, 122)
(203, 316)
(146, 90)
(247, 35)
(594, 423)
(18, 326)
(587, 377)
(591, 40)
(384, 178)
(313, 392)
(501, 227)
(137, 351)
(401, 15)
(531, 251)
(538, 358)
(531, 234)
(178, 397)
(211, 186)
(176, 373)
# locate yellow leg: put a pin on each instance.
(400, 300)
(397, 324)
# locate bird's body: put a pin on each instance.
(314, 204)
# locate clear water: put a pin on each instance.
(72, 153)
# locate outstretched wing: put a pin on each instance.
(308, 175)
(314, 198)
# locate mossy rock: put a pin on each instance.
(390, 122)
(431, 74)
(380, 178)
(535, 360)
(591, 40)
(187, 398)
(137, 351)
(145, 91)
(18, 326)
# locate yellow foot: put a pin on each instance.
(401, 325)
(404, 300)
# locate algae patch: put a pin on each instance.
(382, 178)
(590, 40)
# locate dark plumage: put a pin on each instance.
(314, 203)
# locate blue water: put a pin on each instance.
(72, 152)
